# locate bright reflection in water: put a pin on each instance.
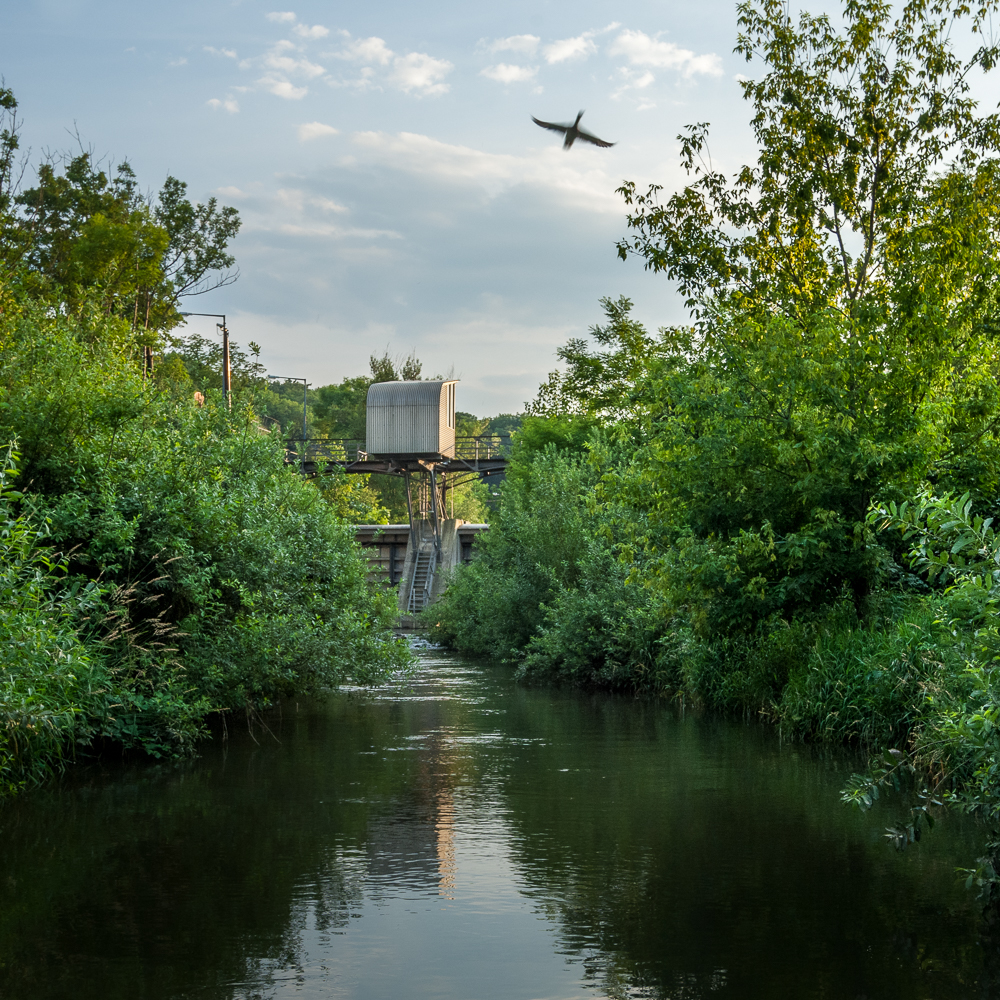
(458, 837)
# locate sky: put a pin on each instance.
(394, 191)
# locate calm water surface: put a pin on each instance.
(459, 837)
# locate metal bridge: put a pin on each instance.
(477, 457)
(410, 429)
(430, 543)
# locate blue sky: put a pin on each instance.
(393, 188)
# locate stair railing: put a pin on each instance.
(429, 580)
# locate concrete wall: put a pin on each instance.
(392, 558)
(385, 546)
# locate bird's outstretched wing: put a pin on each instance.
(551, 125)
(587, 137)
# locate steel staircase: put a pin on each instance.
(423, 577)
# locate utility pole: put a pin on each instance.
(226, 373)
(305, 403)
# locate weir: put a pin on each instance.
(410, 433)
(418, 571)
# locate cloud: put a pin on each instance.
(281, 87)
(365, 80)
(281, 16)
(299, 67)
(642, 50)
(327, 205)
(367, 50)
(415, 71)
(504, 73)
(315, 130)
(549, 169)
(515, 43)
(228, 53)
(420, 72)
(296, 212)
(229, 104)
(299, 202)
(570, 48)
(634, 80)
(316, 31)
(181, 61)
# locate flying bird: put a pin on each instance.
(573, 132)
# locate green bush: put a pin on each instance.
(215, 578)
(52, 690)
(494, 605)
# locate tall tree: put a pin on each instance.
(864, 130)
(844, 295)
(92, 232)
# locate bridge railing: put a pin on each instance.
(480, 447)
(324, 450)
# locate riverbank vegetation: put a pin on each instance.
(785, 508)
(160, 562)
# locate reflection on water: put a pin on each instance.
(458, 837)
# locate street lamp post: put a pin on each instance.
(226, 380)
(305, 401)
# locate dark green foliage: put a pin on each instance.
(223, 580)
(505, 423)
(533, 547)
(340, 409)
(788, 506)
(52, 688)
(160, 560)
(90, 236)
(605, 632)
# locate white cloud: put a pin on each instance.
(292, 200)
(420, 72)
(299, 67)
(229, 104)
(367, 50)
(182, 61)
(316, 31)
(280, 87)
(364, 81)
(315, 130)
(642, 50)
(231, 192)
(330, 231)
(515, 43)
(634, 80)
(228, 53)
(570, 48)
(327, 205)
(281, 16)
(293, 212)
(504, 73)
(549, 169)
(415, 71)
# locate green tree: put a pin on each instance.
(91, 234)
(844, 292)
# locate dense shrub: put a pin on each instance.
(199, 573)
(533, 547)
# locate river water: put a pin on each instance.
(457, 836)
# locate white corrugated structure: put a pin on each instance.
(415, 419)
